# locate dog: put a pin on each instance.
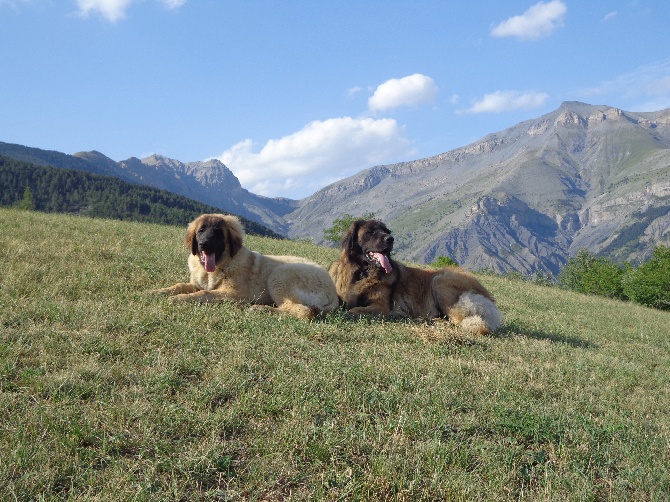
(222, 268)
(369, 281)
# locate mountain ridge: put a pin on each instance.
(577, 165)
(525, 198)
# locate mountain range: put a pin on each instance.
(523, 199)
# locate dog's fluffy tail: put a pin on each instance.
(476, 313)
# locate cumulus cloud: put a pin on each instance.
(325, 151)
(115, 10)
(538, 21)
(408, 91)
(320, 153)
(504, 101)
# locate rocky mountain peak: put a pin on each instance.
(97, 158)
(213, 172)
(209, 181)
(160, 161)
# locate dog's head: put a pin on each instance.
(213, 237)
(369, 241)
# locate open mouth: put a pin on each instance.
(380, 259)
(208, 261)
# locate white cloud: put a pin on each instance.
(647, 88)
(173, 4)
(538, 21)
(610, 15)
(408, 91)
(504, 101)
(318, 154)
(12, 3)
(115, 10)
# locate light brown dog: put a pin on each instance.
(369, 281)
(222, 268)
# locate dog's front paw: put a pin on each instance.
(160, 292)
(261, 308)
(180, 298)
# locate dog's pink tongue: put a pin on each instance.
(383, 261)
(209, 260)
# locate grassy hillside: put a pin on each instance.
(109, 393)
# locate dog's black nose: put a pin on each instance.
(388, 239)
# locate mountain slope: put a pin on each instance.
(210, 182)
(523, 199)
(94, 163)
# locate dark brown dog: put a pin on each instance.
(369, 281)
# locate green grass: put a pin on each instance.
(110, 393)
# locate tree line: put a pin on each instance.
(648, 284)
(60, 190)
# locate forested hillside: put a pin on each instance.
(58, 190)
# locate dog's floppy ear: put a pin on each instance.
(189, 240)
(350, 238)
(234, 234)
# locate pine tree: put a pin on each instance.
(28, 201)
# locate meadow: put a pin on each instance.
(110, 393)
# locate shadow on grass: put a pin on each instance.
(516, 328)
(449, 332)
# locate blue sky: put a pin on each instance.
(294, 95)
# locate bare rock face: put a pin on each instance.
(506, 234)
